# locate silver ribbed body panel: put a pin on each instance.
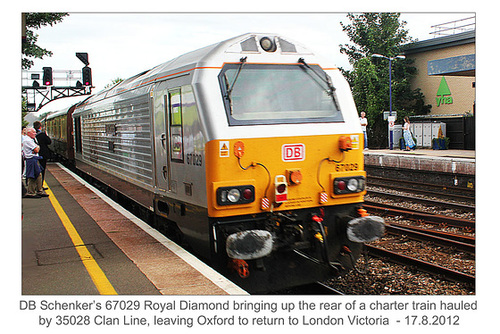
(117, 138)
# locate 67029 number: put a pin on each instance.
(194, 159)
(346, 167)
(123, 305)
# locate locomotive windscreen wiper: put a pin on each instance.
(230, 89)
(327, 81)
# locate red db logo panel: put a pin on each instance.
(293, 152)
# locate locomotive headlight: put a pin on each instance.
(352, 185)
(348, 185)
(267, 44)
(233, 195)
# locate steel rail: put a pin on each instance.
(389, 210)
(428, 267)
(447, 235)
(438, 240)
(439, 190)
(451, 205)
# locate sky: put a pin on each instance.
(121, 45)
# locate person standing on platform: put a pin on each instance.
(24, 136)
(23, 168)
(43, 141)
(410, 144)
(33, 169)
(364, 124)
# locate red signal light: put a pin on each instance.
(87, 76)
(47, 76)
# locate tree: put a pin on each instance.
(115, 81)
(380, 33)
(23, 108)
(29, 48)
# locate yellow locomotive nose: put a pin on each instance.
(285, 173)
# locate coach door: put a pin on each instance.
(168, 137)
(162, 157)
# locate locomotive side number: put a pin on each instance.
(194, 159)
(346, 167)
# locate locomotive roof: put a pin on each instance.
(246, 43)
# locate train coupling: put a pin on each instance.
(365, 229)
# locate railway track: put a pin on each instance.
(447, 239)
(425, 201)
(428, 189)
(421, 265)
(429, 247)
(456, 242)
(385, 210)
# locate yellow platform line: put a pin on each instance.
(98, 277)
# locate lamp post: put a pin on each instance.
(376, 55)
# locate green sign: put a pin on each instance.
(443, 95)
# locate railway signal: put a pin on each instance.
(33, 88)
(87, 76)
(84, 57)
(47, 76)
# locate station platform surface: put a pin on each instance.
(79, 242)
(444, 161)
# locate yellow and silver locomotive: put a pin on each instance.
(252, 146)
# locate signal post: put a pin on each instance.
(49, 92)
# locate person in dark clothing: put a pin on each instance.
(44, 141)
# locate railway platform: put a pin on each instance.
(444, 161)
(79, 242)
(449, 168)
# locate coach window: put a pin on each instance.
(175, 117)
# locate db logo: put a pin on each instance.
(293, 152)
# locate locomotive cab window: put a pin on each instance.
(277, 94)
(175, 117)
